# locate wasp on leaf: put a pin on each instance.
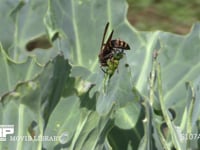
(111, 52)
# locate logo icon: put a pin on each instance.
(6, 130)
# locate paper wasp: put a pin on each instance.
(111, 52)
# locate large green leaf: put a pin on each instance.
(78, 26)
(13, 72)
(32, 102)
(179, 61)
(84, 39)
(82, 126)
(22, 21)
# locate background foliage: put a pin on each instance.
(51, 83)
(174, 16)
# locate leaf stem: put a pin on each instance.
(171, 126)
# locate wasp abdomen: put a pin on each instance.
(119, 44)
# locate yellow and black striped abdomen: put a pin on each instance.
(119, 44)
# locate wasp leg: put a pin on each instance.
(117, 70)
(103, 70)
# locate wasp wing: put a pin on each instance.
(109, 39)
(104, 34)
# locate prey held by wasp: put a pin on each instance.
(111, 52)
